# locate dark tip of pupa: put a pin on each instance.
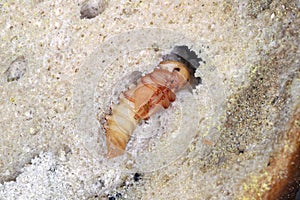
(188, 57)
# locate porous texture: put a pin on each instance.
(219, 142)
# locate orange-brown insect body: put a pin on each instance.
(153, 91)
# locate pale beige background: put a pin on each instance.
(241, 111)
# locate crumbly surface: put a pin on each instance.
(218, 142)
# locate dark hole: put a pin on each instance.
(177, 69)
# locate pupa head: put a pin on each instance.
(188, 57)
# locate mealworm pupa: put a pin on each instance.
(153, 92)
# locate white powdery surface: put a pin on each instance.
(56, 177)
(44, 178)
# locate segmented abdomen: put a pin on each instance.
(119, 125)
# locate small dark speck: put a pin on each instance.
(137, 177)
(275, 99)
(155, 47)
(111, 198)
(118, 195)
